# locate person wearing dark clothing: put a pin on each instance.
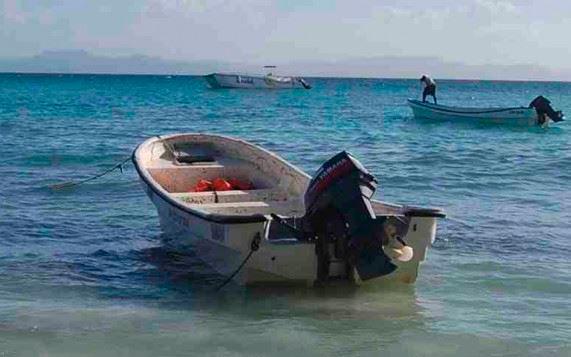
(429, 88)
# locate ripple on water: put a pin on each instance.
(88, 268)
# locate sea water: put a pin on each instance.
(85, 272)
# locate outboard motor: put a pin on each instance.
(304, 83)
(338, 213)
(543, 108)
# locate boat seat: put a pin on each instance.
(286, 208)
(231, 196)
(194, 159)
(176, 179)
(231, 204)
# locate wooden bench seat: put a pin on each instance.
(183, 178)
(231, 196)
(286, 208)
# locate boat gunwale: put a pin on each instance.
(144, 175)
(447, 109)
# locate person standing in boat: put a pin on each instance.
(429, 88)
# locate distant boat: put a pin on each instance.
(281, 226)
(246, 81)
(539, 112)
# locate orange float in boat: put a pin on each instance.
(241, 185)
(219, 184)
(203, 186)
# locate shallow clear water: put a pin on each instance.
(84, 271)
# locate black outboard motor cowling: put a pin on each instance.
(338, 210)
(543, 107)
(304, 83)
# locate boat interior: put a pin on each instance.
(178, 163)
(177, 166)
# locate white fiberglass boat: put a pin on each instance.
(269, 81)
(282, 226)
(539, 112)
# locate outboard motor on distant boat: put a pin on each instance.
(304, 83)
(543, 108)
(340, 216)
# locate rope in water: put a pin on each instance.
(69, 184)
(254, 246)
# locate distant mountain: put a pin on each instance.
(79, 61)
(84, 62)
(414, 67)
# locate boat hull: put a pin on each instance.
(221, 80)
(223, 248)
(507, 116)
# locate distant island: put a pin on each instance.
(80, 61)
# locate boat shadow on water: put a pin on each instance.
(187, 283)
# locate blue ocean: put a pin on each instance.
(84, 271)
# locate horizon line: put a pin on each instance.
(314, 77)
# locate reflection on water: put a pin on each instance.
(177, 302)
(191, 280)
(167, 301)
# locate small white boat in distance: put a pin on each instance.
(284, 226)
(244, 81)
(539, 112)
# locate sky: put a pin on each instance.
(467, 31)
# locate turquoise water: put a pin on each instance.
(84, 271)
